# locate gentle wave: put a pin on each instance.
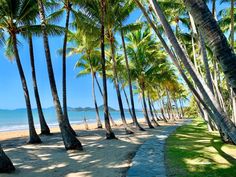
(17, 119)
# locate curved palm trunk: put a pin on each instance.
(205, 61)
(64, 90)
(127, 101)
(154, 110)
(214, 37)
(134, 117)
(33, 136)
(225, 125)
(151, 111)
(100, 90)
(99, 124)
(69, 139)
(43, 125)
(6, 166)
(116, 83)
(232, 23)
(177, 108)
(145, 107)
(109, 132)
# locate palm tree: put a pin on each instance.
(89, 61)
(224, 124)
(13, 20)
(67, 8)
(211, 33)
(133, 113)
(226, 127)
(140, 51)
(43, 125)
(116, 67)
(69, 139)
(6, 165)
(109, 132)
(92, 19)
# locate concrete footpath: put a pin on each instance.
(149, 159)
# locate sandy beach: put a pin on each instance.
(100, 158)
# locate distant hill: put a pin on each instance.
(80, 109)
(100, 108)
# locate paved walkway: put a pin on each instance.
(149, 159)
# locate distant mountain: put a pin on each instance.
(80, 109)
(100, 108)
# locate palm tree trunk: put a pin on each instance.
(177, 108)
(100, 90)
(145, 107)
(134, 117)
(205, 61)
(33, 136)
(6, 166)
(109, 132)
(233, 97)
(214, 9)
(116, 83)
(99, 124)
(69, 139)
(227, 128)
(127, 101)
(214, 37)
(154, 110)
(43, 125)
(232, 24)
(151, 111)
(99, 87)
(64, 90)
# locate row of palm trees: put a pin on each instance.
(143, 57)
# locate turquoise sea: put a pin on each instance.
(11, 120)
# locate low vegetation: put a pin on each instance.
(193, 151)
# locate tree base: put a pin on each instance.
(34, 140)
(75, 146)
(151, 127)
(45, 132)
(110, 136)
(6, 166)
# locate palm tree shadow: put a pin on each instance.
(218, 146)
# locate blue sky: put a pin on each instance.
(78, 89)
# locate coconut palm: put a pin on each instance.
(226, 127)
(66, 8)
(43, 125)
(135, 121)
(69, 139)
(224, 124)
(92, 19)
(140, 51)
(14, 20)
(89, 62)
(211, 33)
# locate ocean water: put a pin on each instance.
(11, 120)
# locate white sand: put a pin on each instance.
(100, 158)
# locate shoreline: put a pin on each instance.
(23, 133)
(100, 157)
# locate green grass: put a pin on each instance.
(192, 151)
